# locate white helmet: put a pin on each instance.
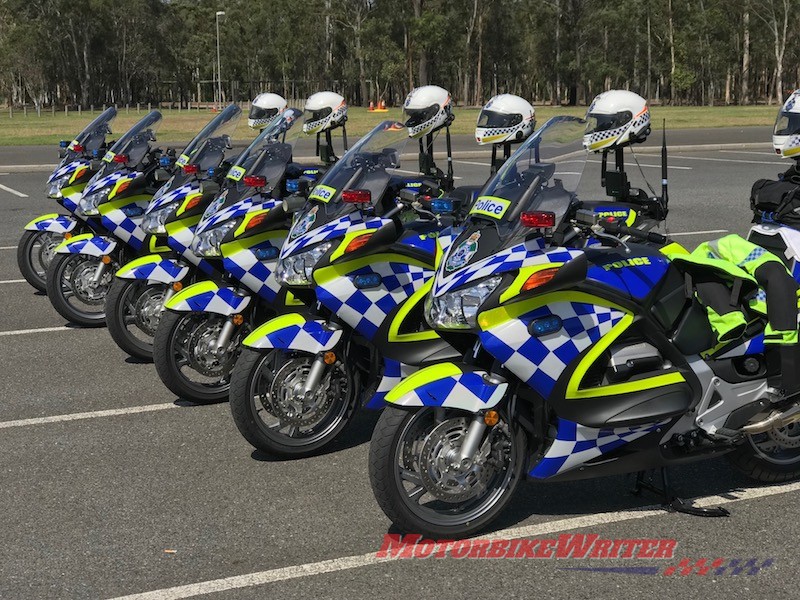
(427, 109)
(786, 135)
(505, 118)
(615, 119)
(324, 110)
(265, 109)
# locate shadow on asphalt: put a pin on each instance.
(359, 432)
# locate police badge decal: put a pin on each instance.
(465, 251)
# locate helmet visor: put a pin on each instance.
(596, 123)
(317, 115)
(257, 112)
(787, 123)
(493, 119)
(418, 116)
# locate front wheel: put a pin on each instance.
(133, 310)
(771, 457)
(35, 252)
(77, 285)
(275, 414)
(420, 485)
(187, 358)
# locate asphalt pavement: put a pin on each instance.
(113, 487)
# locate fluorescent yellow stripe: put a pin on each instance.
(326, 274)
(139, 262)
(193, 290)
(42, 218)
(498, 316)
(673, 248)
(274, 325)
(423, 377)
(75, 238)
(230, 248)
(405, 308)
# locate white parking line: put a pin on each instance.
(12, 191)
(12, 280)
(39, 330)
(363, 560)
(87, 415)
(699, 232)
(8, 247)
(730, 160)
(676, 167)
(416, 173)
(747, 152)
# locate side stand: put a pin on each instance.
(669, 500)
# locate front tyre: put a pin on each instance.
(133, 311)
(76, 292)
(186, 357)
(416, 483)
(35, 252)
(272, 412)
(771, 457)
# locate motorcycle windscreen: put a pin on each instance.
(365, 166)
(542, 175)
(208, 147)
(92, 137)
(134, 144)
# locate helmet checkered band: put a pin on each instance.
(322, 124)
(604, 139)
(262, 123)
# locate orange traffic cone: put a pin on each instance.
(371, 106)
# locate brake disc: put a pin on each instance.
(439, 470)
(202, 350)
(286, 399)
(147, 309)
(786, 437)
(81, 283)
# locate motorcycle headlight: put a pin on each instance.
(296, 270)
(459, 309)
(208, 242)
(154, 222)
(54, 187)
(88, 204)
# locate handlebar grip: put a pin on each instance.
(618, 228)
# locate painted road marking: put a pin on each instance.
(39, 330)
(747, 152)
(699, 232)
(676, 167)
(416, 173)
(88, 415)
(12, 191)
(363, 560)
(8, 247)
(730, 160)
(12, 280)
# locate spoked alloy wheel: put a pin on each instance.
(186, 357)
(273, 412)
(419, 482)
(35, 253)
(133, 311)
(771, 457)
(73, 291)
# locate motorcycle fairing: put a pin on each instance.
(208, 296)
(365, 310)
(448, 385)
(634, 274)
(179, 239)
(529, 253)
(154, 267)
(350, 223)
(575, 445)
(54, 223)
(393, 374)
(294, 332)
(234, 211)
(115, 219)
(241, 260)
(87, 243)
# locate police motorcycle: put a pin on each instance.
(79, 162)
(138, 292)
(199, 334)
(577, 362)
(113, 204)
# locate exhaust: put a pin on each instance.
(775, 421)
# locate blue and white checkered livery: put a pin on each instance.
(207, 296)
(575, 445)
(294, 332)
(255, 274)
(93, 245)
(234, 211)
(60, 224)
(128, 229)
(154, 268)
(106, 181)
(393, 373)
(527, 254)
(179, 193)
(366, 309)
(540, 361)
(333, 229)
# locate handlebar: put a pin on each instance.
(616, 228)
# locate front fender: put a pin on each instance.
(154, 267)
(448, 385)
(54, 223)
(294, 332)
(208, 296)
(88, 243)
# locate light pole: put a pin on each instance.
(220, 13)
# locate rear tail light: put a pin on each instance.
(120, 158)
(191, 169)
(255, 181)
(540, 219)
(357, 196)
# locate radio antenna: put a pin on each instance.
(664, 181)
